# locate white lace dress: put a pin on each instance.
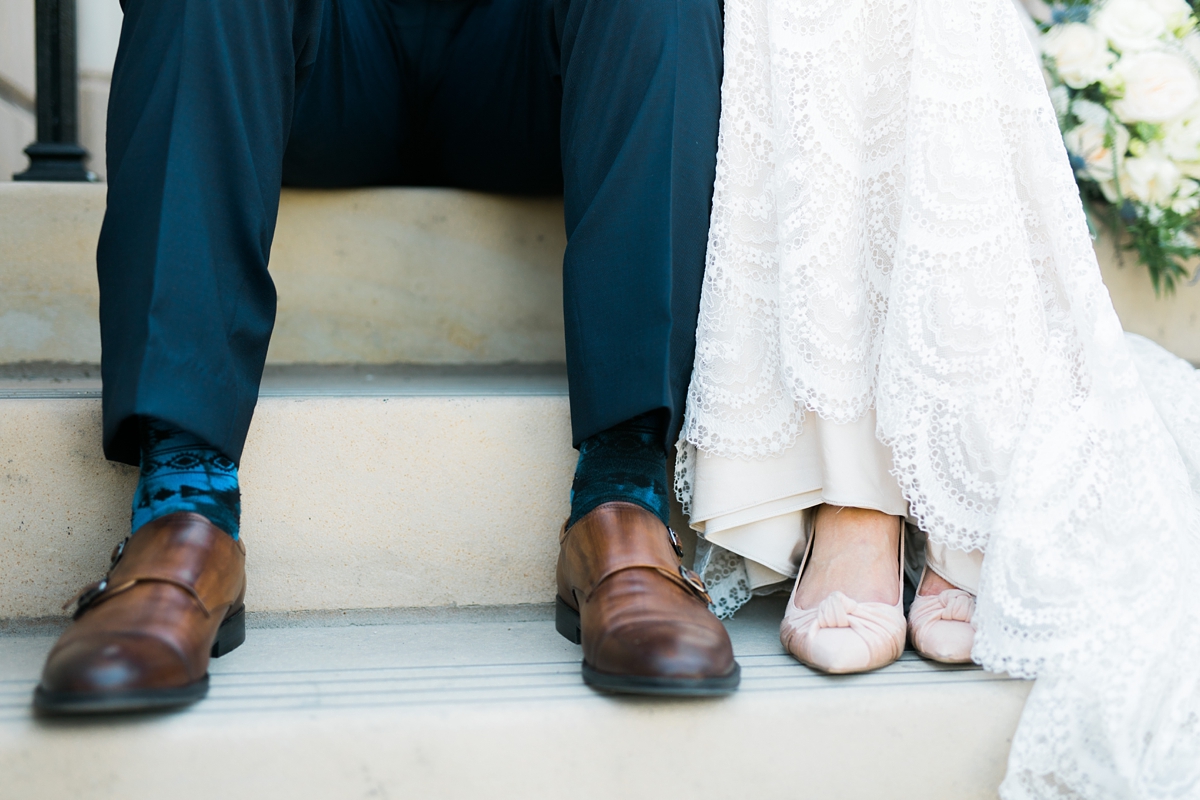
(896, 232)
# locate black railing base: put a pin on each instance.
(55, 161)
(56, 155)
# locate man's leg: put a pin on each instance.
(617, 102)
(626, 94)
(203, 101)
(641, 104)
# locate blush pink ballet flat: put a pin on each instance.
(842, 635)
(942, 625)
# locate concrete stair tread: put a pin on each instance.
(443, 704)
(61, 381)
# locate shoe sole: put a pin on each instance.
(230, 635)
(566, 622)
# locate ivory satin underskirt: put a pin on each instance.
(759, 509)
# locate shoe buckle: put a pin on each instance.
(696, 582)
(117, 552)
(89, 596)
(675, 542)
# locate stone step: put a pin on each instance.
(362, 488)
(374, 276)
(489, 703)
(379, 276)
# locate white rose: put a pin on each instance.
(1080, 53)
(1175, 13)
(1181, 140)
(1086, 141)
(1130, 24)
(1153, 178)
(1159, 87)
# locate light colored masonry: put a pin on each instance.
(99, 25)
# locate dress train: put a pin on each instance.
(896, 230)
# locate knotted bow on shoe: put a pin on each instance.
(844, 635)
(958, 605)
(835, 611)
(942, 626)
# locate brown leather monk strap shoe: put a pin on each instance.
(142, 637)
(641, 616)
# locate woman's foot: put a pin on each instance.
(845, 614)
(854, 551)
(941, 620)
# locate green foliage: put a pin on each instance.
(1163, 240)
(1146, 131)
(1163, 246)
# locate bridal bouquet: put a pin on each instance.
(1125, 81)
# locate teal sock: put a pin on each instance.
(181, 472)
(624, 463)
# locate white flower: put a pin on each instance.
(1181, 140)
(1130, 24)
(1159, 87)
(1080, 53)
(1175, 13)
(1087, 141)
(1187, 199)
(1109, 189)
(1153, 178)
(1191, 46)
(1087, 111)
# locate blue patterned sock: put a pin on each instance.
(180, 472)
(626, 463)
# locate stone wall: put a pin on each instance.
(17, 127)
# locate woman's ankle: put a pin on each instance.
(855, 551)
(933, 584)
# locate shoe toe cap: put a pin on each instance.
(837, 650)
(947, 641)
(668, 649)
(113, 664)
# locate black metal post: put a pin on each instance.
(56, 155)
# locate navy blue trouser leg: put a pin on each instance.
(216, 103)
(199, 116)
(641, 104)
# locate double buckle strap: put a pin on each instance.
(681, 576)
(690, 577)
(102, 589)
